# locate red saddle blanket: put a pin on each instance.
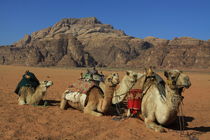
(134, 99)
(81, 86)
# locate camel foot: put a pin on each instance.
(152, 125)
(90, 111)
(160, 129)
(98, 114)
(94, 113)
(21, 102)
(129, 113)
(157, 128)
(141, 117)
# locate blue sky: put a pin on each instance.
(139, 18)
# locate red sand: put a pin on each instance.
(50, 123)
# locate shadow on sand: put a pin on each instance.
(183, 121)
(49, 103)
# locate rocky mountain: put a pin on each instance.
(87, 42)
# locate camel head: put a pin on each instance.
(112, 80)
(177, 79)
(131, 76)
(46, 83)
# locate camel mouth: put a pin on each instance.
(115, 84)
(133, 81)
(48, 84)
(187, 86)
(118, 82)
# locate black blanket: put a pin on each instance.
(29, 80)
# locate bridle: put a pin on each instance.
(173, 85)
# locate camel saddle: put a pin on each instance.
(81, 86)
(77, 92)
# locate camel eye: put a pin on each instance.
(109, 79)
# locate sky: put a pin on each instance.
(138, 18)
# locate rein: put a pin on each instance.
(182, 122)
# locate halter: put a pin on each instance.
(170, 82)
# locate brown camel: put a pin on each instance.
(95, 101)
(33, 97)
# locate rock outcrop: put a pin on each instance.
(87, 42)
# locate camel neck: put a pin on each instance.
(171, 92)
(109, 91)
(173, 97)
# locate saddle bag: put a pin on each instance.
(134, 99)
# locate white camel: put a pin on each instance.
(161, 102)
(125, 85)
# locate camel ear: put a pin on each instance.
(166, 74)
(149, 71)
(128, 73)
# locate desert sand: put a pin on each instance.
(50, 123)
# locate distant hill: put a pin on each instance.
(87, 42)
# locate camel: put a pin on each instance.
(95, 101)
(131, 81)
(33, 97)
(160, 103)
(125, 85)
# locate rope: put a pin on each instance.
(181, 120)
(118, 109)
(183, 131)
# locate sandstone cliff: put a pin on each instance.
(87, 42)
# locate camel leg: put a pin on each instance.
(23, 96)
(150, 123)
(63, 101)
(21, 101)
(128, 113)
(89, 109)
(141, 117)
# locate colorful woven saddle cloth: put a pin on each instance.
(134, 99)
(77, 92)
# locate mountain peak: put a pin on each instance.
(82, 21)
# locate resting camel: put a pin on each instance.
(125, 85)
(160, 103)
(95, 101)
(33, 97)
